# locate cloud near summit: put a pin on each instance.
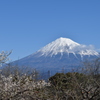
(85, 47)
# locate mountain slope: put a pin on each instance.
(65, 45)
(62, 53)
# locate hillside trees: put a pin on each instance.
(75, 86)
(84, 85)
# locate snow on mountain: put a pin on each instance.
(66, 45)
(62, 53)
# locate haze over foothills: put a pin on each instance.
(28, 25)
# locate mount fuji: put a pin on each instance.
(63, 53)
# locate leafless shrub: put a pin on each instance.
(4, 56)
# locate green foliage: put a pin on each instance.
(75, 86)
(66, 81)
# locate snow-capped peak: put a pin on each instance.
(66, 45)
(66, 41)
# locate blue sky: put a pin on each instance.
(28, 25)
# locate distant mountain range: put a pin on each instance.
(61, 54)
